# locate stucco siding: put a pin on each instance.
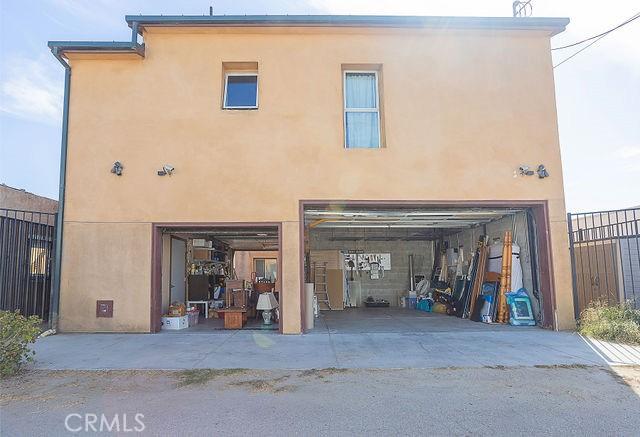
(106, 261)
(461, 111)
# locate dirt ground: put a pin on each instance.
(539, 400)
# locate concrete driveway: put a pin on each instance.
(392, 380)
(499, 346)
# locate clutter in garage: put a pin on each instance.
(476, 264)
(220, 278)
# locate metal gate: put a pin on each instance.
(605, 257)
(26, 261)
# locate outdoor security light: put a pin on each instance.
(542, 172)
(525, 170)
(117, 168)
(166, 170)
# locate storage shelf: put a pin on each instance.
(204, 261)
(210, 249)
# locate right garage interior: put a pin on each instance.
(395, 269)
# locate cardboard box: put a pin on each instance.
(335, 288)
(175, 323)
(177, 310)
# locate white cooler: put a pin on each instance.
(175, 323)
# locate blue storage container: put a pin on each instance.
(424, 305)
(410, 302)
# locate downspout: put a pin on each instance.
(55, 289)
(134, 34)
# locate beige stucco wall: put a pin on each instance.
(462, 110)
(106, 261)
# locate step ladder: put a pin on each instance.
(320, 285)
(436, 274)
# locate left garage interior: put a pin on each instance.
(218, 277)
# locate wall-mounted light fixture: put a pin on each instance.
(166, 170)
(542, 172)
(524, 170)
(117, 168)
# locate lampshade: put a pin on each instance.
(267, 301)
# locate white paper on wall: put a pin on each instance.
(350, 257)
(365, 259)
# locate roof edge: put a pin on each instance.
(553, 25)
(96, 46)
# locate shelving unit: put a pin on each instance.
(205, 261)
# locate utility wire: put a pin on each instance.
(581, 50)
(595, 39)
(600, 34)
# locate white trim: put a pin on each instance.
(345, 109)
(226, 80)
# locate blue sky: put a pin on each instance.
(598, 91)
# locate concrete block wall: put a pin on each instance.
(396, 281)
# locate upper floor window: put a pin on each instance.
(241, 91)
(361, 109)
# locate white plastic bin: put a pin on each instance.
(175, 323)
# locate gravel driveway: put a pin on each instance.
(536, 400)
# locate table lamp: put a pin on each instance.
(266, 303)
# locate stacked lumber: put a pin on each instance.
(505, 278)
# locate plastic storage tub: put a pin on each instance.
(193, 315)
(410, 302)
(424, 305)
(174, 323)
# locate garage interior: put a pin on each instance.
(216, 278)
(406, 268)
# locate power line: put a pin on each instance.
(595, 39)
(581, 50)
(600, 34)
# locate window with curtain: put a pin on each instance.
(361, 109)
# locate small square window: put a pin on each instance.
(241, 91)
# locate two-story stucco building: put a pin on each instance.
(304, 136)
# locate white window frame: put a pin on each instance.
(226, 82)
(345, 109)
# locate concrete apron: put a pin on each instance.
(266, 350)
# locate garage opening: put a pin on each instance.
(217, 277)
(408, 268)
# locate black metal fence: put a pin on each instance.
(605, 257)
(26, 261)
